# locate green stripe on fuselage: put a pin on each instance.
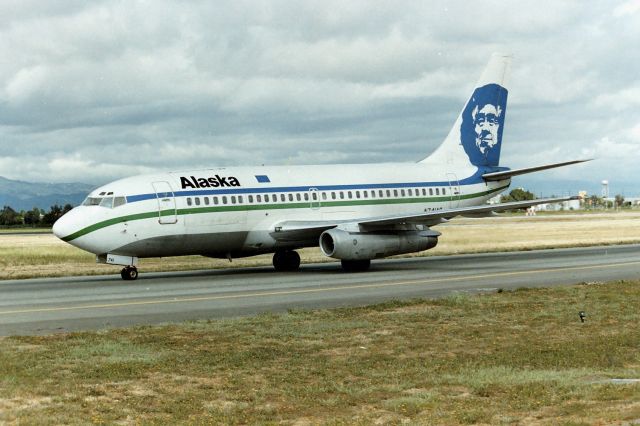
(251, 207)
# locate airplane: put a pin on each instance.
(353, 212)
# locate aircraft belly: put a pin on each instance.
(208, 244)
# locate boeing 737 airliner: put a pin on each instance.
(354, 212)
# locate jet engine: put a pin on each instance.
(341, 244)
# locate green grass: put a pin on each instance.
(503, 358)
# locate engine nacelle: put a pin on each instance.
(341, 244)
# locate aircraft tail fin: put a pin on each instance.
(476, 136)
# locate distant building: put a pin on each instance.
(555, 207)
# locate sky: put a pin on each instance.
(95, 91)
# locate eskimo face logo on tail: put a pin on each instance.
(482, 125)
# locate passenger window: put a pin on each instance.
(282, 198)
(215, 200)
(251, 198)
(197, 201)
(388, 193)
(259, 198)
(410, 192)
(324, 195)
(357, 194)
(444, 191)
(298, 196)
(437, 191)
(206, 201)
(402, 192)
(424, 191)
(314, 195)
(333, 195)
(189, 201)
(349, 194)
(239, 199)
(233, 199)
(119, 201)
(224, 199)
(290, 197)
(365, 194)
(430, 191)
(395, 192)
(306, 196)
(341, 195)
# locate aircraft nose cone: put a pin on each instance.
(62, 227)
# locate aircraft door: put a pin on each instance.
(454, 190)
(314, 199)
(166, 203)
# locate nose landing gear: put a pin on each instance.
(129, 273)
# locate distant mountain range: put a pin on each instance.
(26, 195)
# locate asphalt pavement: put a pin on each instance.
(44, 306)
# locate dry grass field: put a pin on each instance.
(519, 357)
(23, 256)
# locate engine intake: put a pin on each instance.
(341, 244)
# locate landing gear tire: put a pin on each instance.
(129, 273)
(286, 261)
(355, 265)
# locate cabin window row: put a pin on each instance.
(315, 196)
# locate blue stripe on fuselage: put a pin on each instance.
(471, 180)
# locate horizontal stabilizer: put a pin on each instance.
(515, 172)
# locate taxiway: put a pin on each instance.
(43, 306)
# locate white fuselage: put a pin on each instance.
(235, 212)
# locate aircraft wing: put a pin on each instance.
(516, 172)
(308, 230)
(433, 218)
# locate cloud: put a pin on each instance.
(627, 8)
(622, 100)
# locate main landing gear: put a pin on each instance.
(286, 261)
(129, 273)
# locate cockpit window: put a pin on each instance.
(107, 202)
(92, 201)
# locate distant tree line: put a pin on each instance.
(33, 218)
(517, 194)
(595, 202)
(591, 202)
